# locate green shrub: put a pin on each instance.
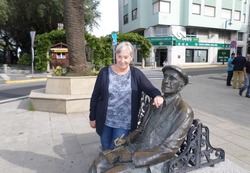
(25, 59)
(59, 71)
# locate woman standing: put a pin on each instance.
(116, 97)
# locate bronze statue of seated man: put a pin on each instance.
(160, 134)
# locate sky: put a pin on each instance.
(109, 18)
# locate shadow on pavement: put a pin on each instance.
(75, 154)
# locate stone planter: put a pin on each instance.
(64, 94)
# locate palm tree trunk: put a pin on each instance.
(74, 27)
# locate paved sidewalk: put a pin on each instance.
(42, 142)
(225, 113)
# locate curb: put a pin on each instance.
(183, 67)
(25, 80)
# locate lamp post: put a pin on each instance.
(227, 22)
(32, 36)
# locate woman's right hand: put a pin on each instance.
(92, 124)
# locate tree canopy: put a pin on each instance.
(98, 50)
(18, 18)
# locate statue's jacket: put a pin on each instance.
(161, 132)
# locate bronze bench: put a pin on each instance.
(195, 152)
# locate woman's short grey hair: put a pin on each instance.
(125, 46)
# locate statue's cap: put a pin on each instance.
(178, 69)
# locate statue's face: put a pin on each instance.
(171, 82)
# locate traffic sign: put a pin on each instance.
(114, 37)
(233, 44)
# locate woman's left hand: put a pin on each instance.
(158, 100)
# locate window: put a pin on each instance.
(191, 33)
(209, 11)
(189, 55)
(240, 36)
(226, 14)
(60, 56)
(164, 7)
(155, 7)
(196, 55)
(196, 9)
(161, 31)
(237, 15)
(224, 34)
(125, 2)
(161, 6)
(134, 14)
(125, 19)
(202, 33)
(244, 18)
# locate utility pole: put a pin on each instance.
(224, 45)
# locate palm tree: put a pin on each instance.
(74, 27)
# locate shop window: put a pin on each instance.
(189, 55)
(196, 55)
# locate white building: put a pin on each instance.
(187, 31)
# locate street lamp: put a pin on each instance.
(32, 36)
(227, 22)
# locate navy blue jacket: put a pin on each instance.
(100, 95)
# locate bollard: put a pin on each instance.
(5, 68)
(143, 63)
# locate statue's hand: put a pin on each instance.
(126, 156)
(120, 141)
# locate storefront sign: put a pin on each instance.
(160, 41)
(201, 44)
(223, 55)
(59, 49)
(185, 41)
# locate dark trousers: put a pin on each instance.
(229, 77)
